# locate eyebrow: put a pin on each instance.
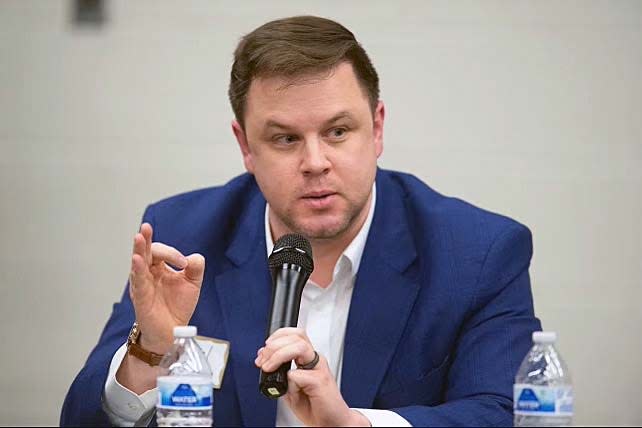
(341, 115)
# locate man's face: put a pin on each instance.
(312, 145)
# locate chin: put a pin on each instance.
(321, 228)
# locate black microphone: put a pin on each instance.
(290, 266)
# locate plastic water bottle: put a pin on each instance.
(543, 394)
(185, 385)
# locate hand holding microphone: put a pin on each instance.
(311, 390)
(290, 267)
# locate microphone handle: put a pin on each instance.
(275, 384)
(288, 281)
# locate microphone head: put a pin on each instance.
(292, 249)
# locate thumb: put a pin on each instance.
(301, 381)
(195, 268)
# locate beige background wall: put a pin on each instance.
(529, 108)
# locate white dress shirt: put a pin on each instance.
(323, 315)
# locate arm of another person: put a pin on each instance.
(492, 343)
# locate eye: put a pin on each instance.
(286, 140)
(338, 133)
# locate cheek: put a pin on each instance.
(358, 174)
(266, 165)
(357, 164)
(276, 180)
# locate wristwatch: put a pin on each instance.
(134, 348)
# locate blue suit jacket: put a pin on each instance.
(440, 318)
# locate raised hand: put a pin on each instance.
(164, 287)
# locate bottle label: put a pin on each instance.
(533, 400)
(184, 394)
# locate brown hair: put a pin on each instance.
(293, 47)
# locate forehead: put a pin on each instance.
(307, 98)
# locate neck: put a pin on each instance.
(326, 252)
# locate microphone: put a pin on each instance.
(290, 266)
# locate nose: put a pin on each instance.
(315, 160)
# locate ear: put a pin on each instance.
(241, 139)
(379, 115)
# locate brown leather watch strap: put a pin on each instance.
(149, 357)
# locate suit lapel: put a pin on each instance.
(244, 292)
(384, 294)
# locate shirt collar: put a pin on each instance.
(354, 251)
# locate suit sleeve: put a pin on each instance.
(493, 340)
(83, 403)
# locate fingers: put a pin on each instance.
(307, 380)
(147, 254)
(139, 265)
(295, 386)
(282, 348)
(271, 358)
(156, 252)
(170, 255)
(195, 268)
(137, 275)
(315, 398)
(146, 231)
(287, 331)
(300, 379)
(142, 244)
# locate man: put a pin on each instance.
(419, 305)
